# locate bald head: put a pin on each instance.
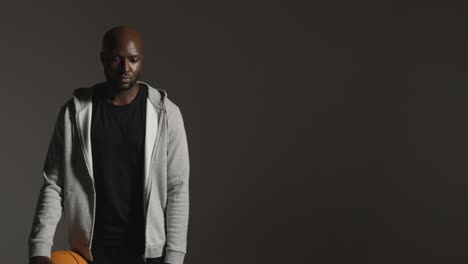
(121, 57)
(120, 36)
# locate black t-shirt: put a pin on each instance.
(117, 138)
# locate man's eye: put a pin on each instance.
(115, 59)
(134, 60)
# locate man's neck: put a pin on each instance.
(120, 98)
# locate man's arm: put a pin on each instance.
(49, 204)
(177, 210)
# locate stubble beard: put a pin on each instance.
(118, 88)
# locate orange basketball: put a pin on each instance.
(66, 257)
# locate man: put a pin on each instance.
(118, 166)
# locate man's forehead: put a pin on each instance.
(130, 49)
(127, 48)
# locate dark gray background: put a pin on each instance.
(319, 131)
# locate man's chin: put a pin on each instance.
(121, 87)
(125, 87)
(117, 86)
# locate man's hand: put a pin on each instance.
(40, 260)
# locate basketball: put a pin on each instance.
(66, 257)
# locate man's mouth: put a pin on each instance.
(125, 79)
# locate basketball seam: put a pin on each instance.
(73, 257)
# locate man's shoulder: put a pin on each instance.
(86, 93)
(159, 97)
(171, 106)
(82, 93)
(81, 96)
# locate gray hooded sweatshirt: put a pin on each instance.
(68, 184)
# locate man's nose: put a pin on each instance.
(125, 65)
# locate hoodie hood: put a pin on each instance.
(83, 97)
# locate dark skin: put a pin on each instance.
(121, 58)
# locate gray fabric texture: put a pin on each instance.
(68, 185)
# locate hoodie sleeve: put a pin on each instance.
(177, 211)
(49, 204)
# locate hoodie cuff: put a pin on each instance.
(40, 249)
(174, 257)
